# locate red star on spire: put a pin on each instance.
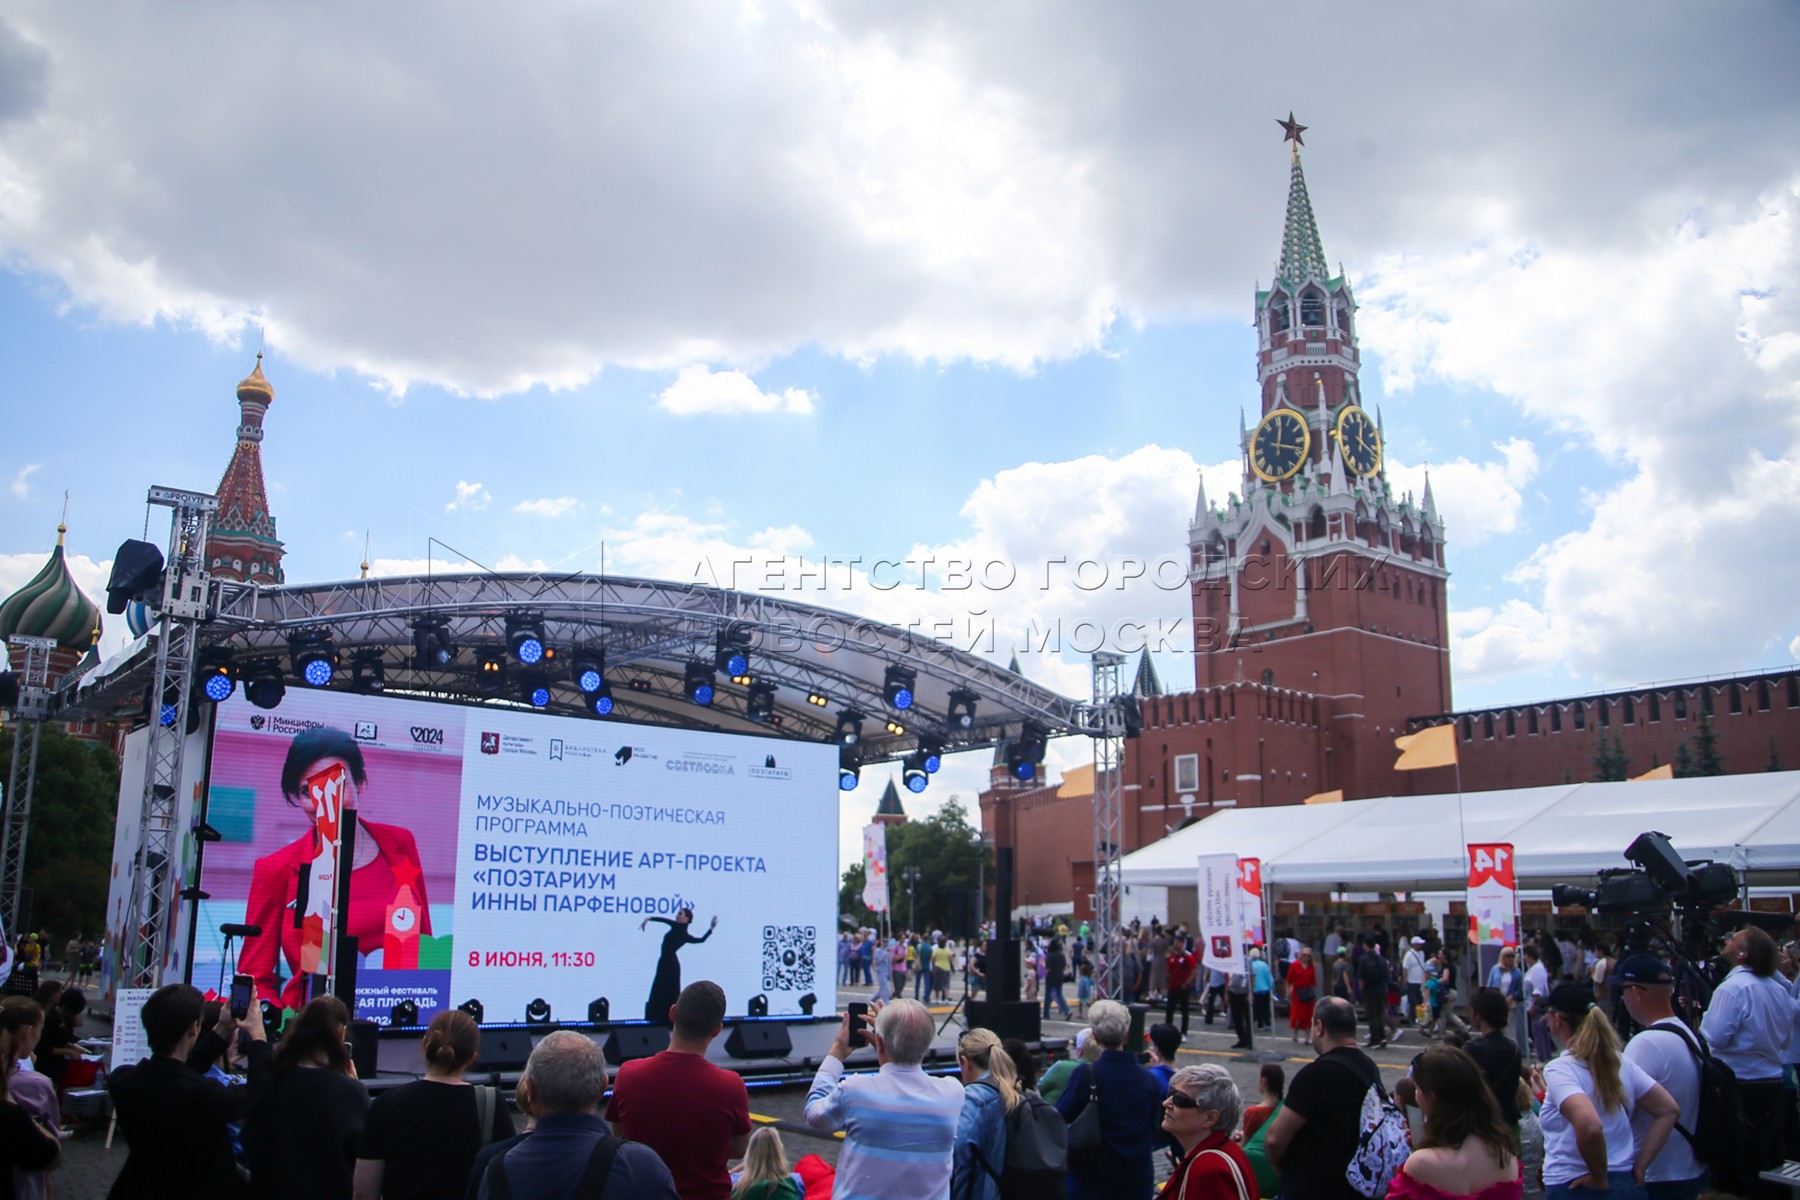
(1291, 129)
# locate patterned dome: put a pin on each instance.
(51, 606)
(137, 618)
(255, 386)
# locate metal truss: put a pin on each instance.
(649, 630)
(186, 602)
(1109, 757)
(33, 703)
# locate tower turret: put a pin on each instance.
(243, 545)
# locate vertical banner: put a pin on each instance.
(1221, 914)
(875, 879)
(1250, 876)
(1493, 895)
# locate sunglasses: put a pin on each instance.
(1181, 1099)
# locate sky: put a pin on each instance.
(698, 284)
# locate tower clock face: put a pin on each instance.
(1280, 445)
(1359, 441)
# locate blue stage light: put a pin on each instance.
(540, 696)
(847, 779)
(530, 650)
(603, 701)
(1024, 770)
(897, 687)
(525, 636)
(167, 715)
(698, 682)
(916, 783)
(588, 681)
(219, 687)
(315, 656)
(703, 694)
(317, 673)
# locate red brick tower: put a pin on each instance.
(1317, 581)
(243, 545)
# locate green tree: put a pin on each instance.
(945, 848)
(1707, 760)
(68, 847)
(1684, 760)
(1610, 763)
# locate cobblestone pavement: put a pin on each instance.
(89, 1168)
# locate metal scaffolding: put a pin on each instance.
(1108, 723)
(33, 704)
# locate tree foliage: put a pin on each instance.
(944, 847)
(68, 847)
(1707, 760)
(1611, 765)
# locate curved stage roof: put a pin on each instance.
(649, 630)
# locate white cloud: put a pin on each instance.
(21, 484)
(891, 180)
(470, 497)
(699, 390)
(561, 506)
(1476, 500)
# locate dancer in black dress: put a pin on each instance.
(665, 989)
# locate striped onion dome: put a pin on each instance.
(138, 618)
(51, 606)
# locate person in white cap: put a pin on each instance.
(1412, 967)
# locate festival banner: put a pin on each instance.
(875, 879)
(1493, 895)
(1221, 914)
(1250, 876)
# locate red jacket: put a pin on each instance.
(1181, 969)
(374, 887)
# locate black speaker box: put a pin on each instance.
(1007, 1018)
(1134, 1036)
(504, 1049)
(363, 1046)
(759, 1039)
(627, 1042)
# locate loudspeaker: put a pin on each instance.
(759, 1039)
(363, 1046)
(1007, 1018)
(1003, 954)
(635, 1041)
(504, 1049)
(965, 913)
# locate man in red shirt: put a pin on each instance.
(694, 1115)
(1182, 965)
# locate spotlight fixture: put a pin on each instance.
(218, 678)
(263, 684)
(538, 1012)
(931, 754)
(367, 674)
(587, 670)
(807, 1003)
(404, 1015)
(169, 709)
(731, 650)
(849, 769)
(640, 685)
(849, 727)
(1026, 751)
(816, 700)
(525, 637)
(315, 657)
(897, 687)
(698, 682)
(759, 1005)
(961, 714)
(913, 773)
(473, 1008)
(602, 700)
(534, 688)
(759, 705)
(490, 671)
(896, 728)
(432, 648)
(599, 1011)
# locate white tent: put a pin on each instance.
(1563, 833)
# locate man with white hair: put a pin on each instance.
(899, 1124)
(571, 1153)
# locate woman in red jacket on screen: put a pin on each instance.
(324, 777)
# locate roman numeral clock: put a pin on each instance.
(1280, 445)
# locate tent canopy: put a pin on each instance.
(1563, 833)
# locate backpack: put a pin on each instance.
(1382, 1141)
(1037, 1153)
(1717, 1133)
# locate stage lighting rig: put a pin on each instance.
(525, 637)
(473, 1008)
(218, 677)
(404, 1015)
(602, 700)
(432, 648)
(263, 684)
(367, 672)
(896, 728)
(759, 705)
(534, 688)
(698, 683)
(490, 671)
(897, 687)
(1026, 752)
(538, 1012)
(913, 773)
(314, 656)
(587, 670)
(817, 700)
(960, 716)
(731, 650)
(931, 753)
(849, 769)
(849, 728)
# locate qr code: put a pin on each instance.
(787, 958)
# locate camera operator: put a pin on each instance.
(1749, 1025)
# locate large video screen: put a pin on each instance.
(511, 857)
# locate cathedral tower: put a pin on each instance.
(243, 545)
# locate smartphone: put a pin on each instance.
(243, 995)
(859, 1023)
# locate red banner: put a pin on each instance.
(1250, 879)
(1493, 895)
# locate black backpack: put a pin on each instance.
(1037, 1153)
(1717, 1133)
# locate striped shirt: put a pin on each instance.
(899, 1128)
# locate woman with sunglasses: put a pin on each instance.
(1200, 1112)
